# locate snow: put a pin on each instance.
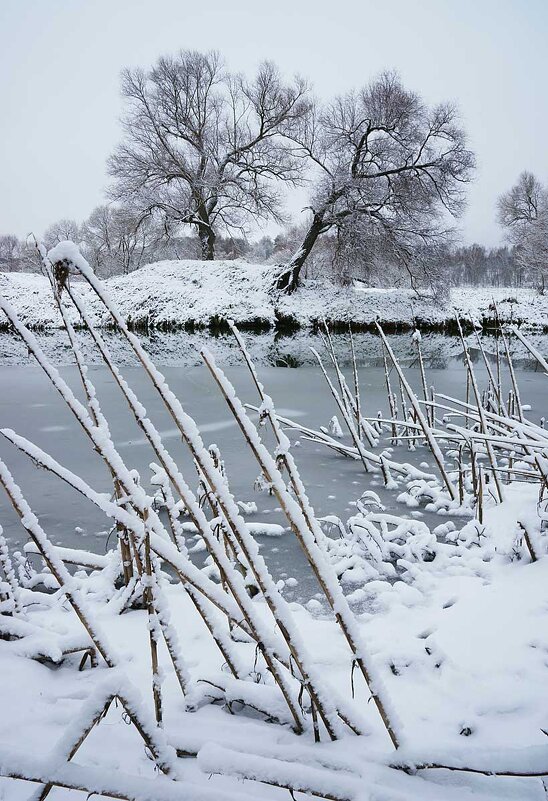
(179, 293)
(488, 633)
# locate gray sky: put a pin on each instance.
(60, 62)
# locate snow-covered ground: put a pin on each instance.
(460, 643)
(178, 293)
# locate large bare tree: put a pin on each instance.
(389, 173)
(206, 147)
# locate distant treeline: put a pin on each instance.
(122, 252)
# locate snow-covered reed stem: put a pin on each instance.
(427, 431)
(153, 632)
(305, 530)
(405, 469)
(68, 584)
(100, 437)
(10, 576)
(190, 576)
(336, 786)
(217, 486)
(480, 410)
(351, 401)
(96, 415)
(235, 524)
(532, 350)
(494, 382)
(151, 590)
(328, 345)
(391, 402)
(346, 414)
(357, 393)
(515, 387)
(282, 442)
(417, 340)
(217, 631)
(403, 405)
(314, 534)
(142, 503)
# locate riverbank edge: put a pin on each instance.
(200, 296)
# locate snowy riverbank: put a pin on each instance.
(172, 294)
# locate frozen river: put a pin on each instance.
(30, 406)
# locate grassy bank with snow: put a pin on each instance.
(194, 294)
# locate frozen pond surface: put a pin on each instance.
(30, 406)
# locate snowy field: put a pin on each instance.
(341, 594)
(178, 293)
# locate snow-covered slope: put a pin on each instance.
(179, 293)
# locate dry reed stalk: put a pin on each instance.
(481, 411)
(124, 539)
(196, 584)
(330, 348)
(499, 374)
(532, 350)
(14, 589)
(235, 525)
(300, 526)
(152, 632)
(91, 401)
(192, 507)
(499, 423)
(513, 379)
(390, 395)
(404, 414)
(129, 487)
(313, 556)
(55, 565)
(63, 577)
(351, 402)
(346, 415)
(387, 478)
(346, 450)
(357, 394)
(423, 378)
(467, 399)
(71, 748)
(528, 541)
(436, 452)
(461, 474)
(473, 470)
(480, 493)
(492, 380)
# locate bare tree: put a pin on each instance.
(388, 169)
(119, 239)
(520, 205)
(61, 231)
(206, 147)
(10, 253)
(523, 211)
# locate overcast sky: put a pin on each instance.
(60, 62)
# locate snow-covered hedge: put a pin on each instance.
(193, 293)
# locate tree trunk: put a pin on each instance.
(288, 280)
(207, 242)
